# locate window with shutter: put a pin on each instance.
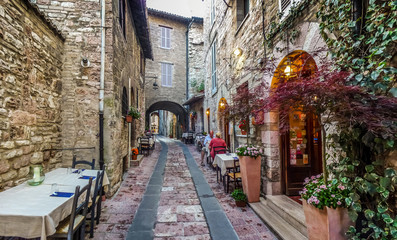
(124, 103)
(213, 67)
(285, 6)
(122, 16)
(165, 37)
(166, 74)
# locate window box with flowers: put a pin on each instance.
(325, 208)
(250, 168)
(133, 113)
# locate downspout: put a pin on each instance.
(102, 85)
(187, 70)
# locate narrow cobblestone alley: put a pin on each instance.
(176, 206)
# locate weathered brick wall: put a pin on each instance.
(233, 71)
(176, 55)
(30, 93)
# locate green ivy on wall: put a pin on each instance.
(366, 53)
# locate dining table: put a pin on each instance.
(225, 161)
(30, 212)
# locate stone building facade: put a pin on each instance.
(31, 51)
(127, 46)
(177, 43)
(242, 25)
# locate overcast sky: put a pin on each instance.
(185, 8)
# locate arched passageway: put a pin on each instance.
(175, 108)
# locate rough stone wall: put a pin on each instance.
(30, 100)
(80, 22)
(176, 56)
(196, 69)
(233, 71)
(126, 53)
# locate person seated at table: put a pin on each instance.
(216, 142)
(206, 143)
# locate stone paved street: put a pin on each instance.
(179, 213)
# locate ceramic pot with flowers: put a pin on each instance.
(250, 168)
(134, 153)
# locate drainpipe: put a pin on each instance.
(102, 85)
(187, 58)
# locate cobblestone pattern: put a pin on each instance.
(118, 212)
(30, 101)
(246, 223)
(179, 214)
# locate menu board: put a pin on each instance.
(298, 139)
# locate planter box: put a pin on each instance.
(128, 119)
(251, 177)
(327, 223)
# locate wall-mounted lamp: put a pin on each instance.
(288, 71)
(207, 112)
(155, 85)
(237, 52)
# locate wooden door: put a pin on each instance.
(301, 151)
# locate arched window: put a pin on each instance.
(124, 102)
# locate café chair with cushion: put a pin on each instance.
(75, 223)
(84, 162)
(233, 175)
(94, 207)
(144, 145)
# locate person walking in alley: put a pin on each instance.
(205, 150)
(216, 142)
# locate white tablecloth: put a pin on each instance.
(225, 161)
(29, 211)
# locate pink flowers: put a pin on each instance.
(341, 187)
(250, 150)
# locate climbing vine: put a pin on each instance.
(362, 42)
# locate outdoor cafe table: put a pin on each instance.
(225, 161)
(29, 211)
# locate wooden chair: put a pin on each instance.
(75, 223)
(94, 207)
(218, 150)
(75, 162)
(233, 175)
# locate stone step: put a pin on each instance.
(274, 221)
(289, 210)
(137, 162)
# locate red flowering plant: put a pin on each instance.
(134, 151)
(243, 125)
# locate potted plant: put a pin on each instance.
(243, 127)
(250, 167)
(133, 113)
(134, 153)
(325, 208)
(239, 197)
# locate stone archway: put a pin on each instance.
(300, 148)
(175, 108)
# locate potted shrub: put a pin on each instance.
(239, 197)
(250, 167)
(325, 208)
(134, 153)
(133, 113)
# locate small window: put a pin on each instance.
(166, 74)
(213, 67)
(124, 102)
(243, 7)
(122, 16)
(165, 37)
(285, 6)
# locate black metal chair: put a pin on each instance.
(74, 225)
(84, 162)
(218, 150)
(94, 207)
(144, 145)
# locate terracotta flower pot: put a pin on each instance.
(338, 223)
(326, 224)
(251, 177)
(128, 118)
(244, 132)
(316, 222)
(240, 203)
(134, 157)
